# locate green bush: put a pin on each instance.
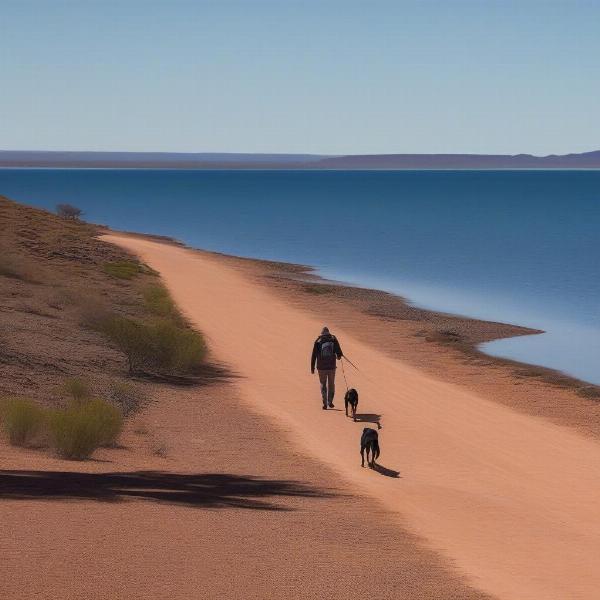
(77, 388)
(159, 302)
(125, 269)
(22, 420)
(176, 350)
(161, 347)
(109, 420)
(132, 338)
(82, 428)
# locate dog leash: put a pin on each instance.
(379, 425)
(344, 374)
(363, 375)
(344, 357)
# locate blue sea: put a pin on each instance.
(520, 247)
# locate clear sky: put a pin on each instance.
(322, 76)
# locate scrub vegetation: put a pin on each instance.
(123, 270)
(81, 428)
(22, 420)
(88, 334)
(156, 347)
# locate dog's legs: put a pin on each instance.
(346, 403)
(362, 456)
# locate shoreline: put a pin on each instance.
(450, 331)
(438, 344)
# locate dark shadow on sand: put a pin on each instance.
(386, 472)
(203, 490)
(369, 418)
(205, 374)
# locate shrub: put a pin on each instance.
(177, 350)
(127, 396)
(125, 269)
(22, 420)
(68, 211)
(108, 418)
(132, 338)
(82, 428)
(159, 302)
(77, 388)
(161, 347)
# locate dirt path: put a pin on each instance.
(511, 499)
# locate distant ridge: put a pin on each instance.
(151, 160)
(223, 160)
(586, 160)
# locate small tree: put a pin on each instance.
(68, 211)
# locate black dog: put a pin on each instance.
(351, 399)
(369, 441)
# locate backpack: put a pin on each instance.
(328, 348)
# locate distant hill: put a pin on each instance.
(151, 160)
(587, 160)
(208, 160)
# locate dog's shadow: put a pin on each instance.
(386, 472)
(369, 418)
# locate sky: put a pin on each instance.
(323, 76)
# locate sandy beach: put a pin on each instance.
(510, 499)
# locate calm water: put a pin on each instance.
(520, 247)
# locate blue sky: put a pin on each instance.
(314, 76)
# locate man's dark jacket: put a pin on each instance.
(325, 363)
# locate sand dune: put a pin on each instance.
(511, 499)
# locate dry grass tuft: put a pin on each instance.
(22, 420)
(80, 429)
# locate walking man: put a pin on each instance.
(325, 352)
